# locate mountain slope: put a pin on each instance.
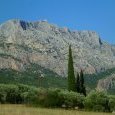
(22, 43)
(34, 75)
(103, 81)
(107, 84)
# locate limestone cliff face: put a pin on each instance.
(107, 83)
(22, 43)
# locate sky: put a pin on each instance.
(95, 15)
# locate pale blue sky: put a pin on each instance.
(96, 15)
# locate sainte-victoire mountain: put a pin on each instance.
(25, 44)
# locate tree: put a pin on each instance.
(81, 81)
(71, 76)
(77, 83)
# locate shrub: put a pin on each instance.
(8, 93)
(44, 97)
(97, 101)
(30, 97)
(71, 99)
(112, 102)
(52, 98)
(2, 97)
(13, 93)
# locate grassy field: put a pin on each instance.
(23, 110)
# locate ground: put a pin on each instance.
(24, 110)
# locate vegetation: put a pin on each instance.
(97, 101)
(25, 110)
(13, 93)
(29, 77)
(92, 80)
(51, 97)
(75, 84)
(32, 76)
(71, 76)
(81, 84)
(39, 96)
(23, 94)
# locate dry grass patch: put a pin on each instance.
(24, 110)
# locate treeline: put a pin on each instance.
(23, 94)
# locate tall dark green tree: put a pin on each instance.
(81, 81)
(77, 83)
(71, 75)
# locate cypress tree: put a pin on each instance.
(81, 81)
(71, 76)
(84, 90)
(81, 78)
(77, 83)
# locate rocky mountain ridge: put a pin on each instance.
(22, 43)
(107, 84)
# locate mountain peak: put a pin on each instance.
(24, 24)
(47, 45)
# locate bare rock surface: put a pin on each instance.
(22, 43)
(106, 83)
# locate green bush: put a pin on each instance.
(52, 98)
(30, 97)
(44, 97)
(112, 102)
(13, 93)
(71, 99)
(2, 97)
(97, 101)
(8, 93)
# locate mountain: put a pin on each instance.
(107, 83)
(24, 43)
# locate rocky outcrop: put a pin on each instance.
(22, 43)
(106, 83)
